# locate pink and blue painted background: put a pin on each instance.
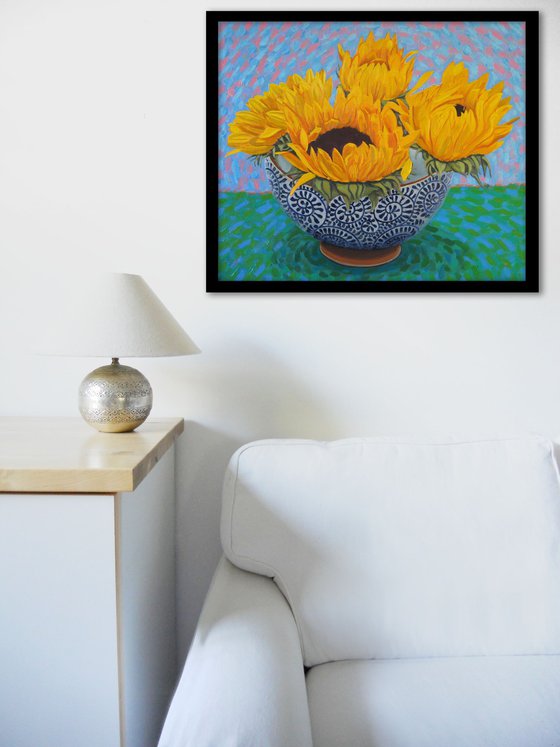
(252, 55)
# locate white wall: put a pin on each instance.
(102, 131)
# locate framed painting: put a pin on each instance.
(372, 152)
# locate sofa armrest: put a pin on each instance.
(243, 683)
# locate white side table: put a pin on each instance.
(87, 583)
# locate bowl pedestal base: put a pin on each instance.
(359, 257)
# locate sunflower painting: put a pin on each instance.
(372, 153)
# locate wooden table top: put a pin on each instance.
(66, 455)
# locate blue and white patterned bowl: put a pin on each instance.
(396, 217)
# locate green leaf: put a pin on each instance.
(356, 191)
(476, 177)
(328, 189)
(344, 190)
(461, 167)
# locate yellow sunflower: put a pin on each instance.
(354, 140)
(256, 130)
(379, 68)
(458, 119)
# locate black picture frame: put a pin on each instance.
(217, 281)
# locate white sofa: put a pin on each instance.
(380, 593)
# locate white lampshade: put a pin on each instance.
(115, 315)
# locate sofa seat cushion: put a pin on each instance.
(490, 701)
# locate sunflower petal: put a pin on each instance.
(406, 169)
(423, 78)
(302, 180)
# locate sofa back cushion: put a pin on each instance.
(392, 549)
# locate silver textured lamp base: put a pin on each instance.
(115, 398)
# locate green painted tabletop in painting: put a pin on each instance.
(478, 234)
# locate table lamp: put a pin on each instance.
(116, 316)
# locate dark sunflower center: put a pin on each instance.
(338, 138)
(460, 109)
